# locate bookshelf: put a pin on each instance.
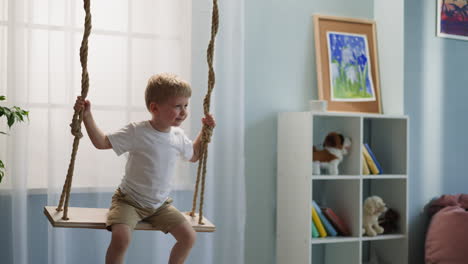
(387, 136)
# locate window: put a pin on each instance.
(40, 70)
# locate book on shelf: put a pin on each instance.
(336, 222)
(318, 223)
(370, 162)
(374, 158)
(315, 232)
(328, 226)
(365, 167)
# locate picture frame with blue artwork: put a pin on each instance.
(452, 19)
(347, 64)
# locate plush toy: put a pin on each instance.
(373, 208)
(335, 146)
(389, 221)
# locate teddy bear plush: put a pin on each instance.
(374, 206)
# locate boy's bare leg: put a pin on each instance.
(185, 236)
(121, 236)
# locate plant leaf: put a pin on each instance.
(2, 98)
(6, 110)
(20, 113)
(1, 132)
(19, 117)
(11, 119)
(15, 114)
(2, 170)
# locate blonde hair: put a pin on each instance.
(163, 86)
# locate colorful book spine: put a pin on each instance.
(318, 224)
(315, 232)
(336, 222)
(328, 227)
(365, 167)
(370, 162)
(374, 158)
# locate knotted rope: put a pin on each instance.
(206, 131)
(78, 115)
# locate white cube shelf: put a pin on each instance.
(298, 132)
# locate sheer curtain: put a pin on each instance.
(131, 39)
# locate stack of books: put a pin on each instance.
(370, 165)
(326, 223)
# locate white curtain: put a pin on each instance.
(131, 39)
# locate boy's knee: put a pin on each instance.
(185, 234)
(121, 243)
(188, 237)
(121, 237)
(191, 237)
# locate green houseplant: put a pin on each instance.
(12, 115)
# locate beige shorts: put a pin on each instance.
(124, 210)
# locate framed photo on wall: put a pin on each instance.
(452, 19)
(347, 64)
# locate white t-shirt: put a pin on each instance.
(151, 161)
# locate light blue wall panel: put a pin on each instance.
(280, 76)
(435, 99)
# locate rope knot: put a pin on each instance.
(207, 132)
(76, 128)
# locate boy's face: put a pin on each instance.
(173, 111)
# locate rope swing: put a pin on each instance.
(78, 118)
(78, 115)
(206, 131)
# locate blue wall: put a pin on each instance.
(280, 76)
(435, 99)
(37, 228)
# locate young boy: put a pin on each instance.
(153, 148)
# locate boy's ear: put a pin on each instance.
(153, 107)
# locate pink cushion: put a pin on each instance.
(447, 237)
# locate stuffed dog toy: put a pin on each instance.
(373, 207)
(389, 221)
(335, 146)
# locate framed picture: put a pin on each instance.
(347, 64)
(452, 19)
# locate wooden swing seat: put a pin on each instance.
(95, 218)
